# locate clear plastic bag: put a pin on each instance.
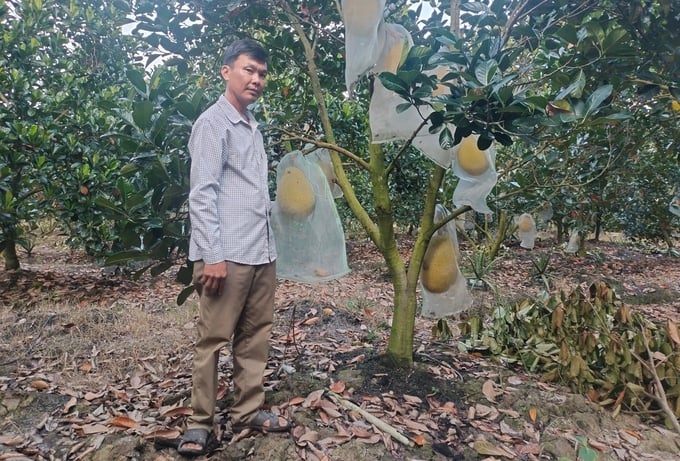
(476, 170)
(310, 241)
(574, 244)
(323, 158)
(362, 19)
(526, 230)
(444, 288)
(386, 123)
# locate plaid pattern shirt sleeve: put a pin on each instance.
(229, 203)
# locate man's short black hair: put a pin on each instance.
(244, 46)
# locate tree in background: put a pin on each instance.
(60, 62)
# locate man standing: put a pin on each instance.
(233, 251)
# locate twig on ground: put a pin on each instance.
(379, 423)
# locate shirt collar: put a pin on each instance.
(232, 114)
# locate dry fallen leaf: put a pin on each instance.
(124, 422)
(515, 380)
(40, 385)
(70, 404)
(412, 399)
(178, 411)
(312, 398)
(361, 431)
(673, 331)
(532, 414)
(89, 429)
(11, 440)
(164, 434)
(296, 401)
(484, 447)
(489, 391)
(338, 387)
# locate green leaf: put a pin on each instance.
(597, 98)
(474, 7)
(586, 454)
(393, 83)
(160, 268)
(486, 71)
(612, 38)
(184, 294)
(446, 138)
(124, 257)
(675, 91)
(575, 89)
(141, 114)
(136, 77)
(403, 107)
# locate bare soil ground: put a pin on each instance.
(96, 366)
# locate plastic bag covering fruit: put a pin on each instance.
(574, 244)
(444, 288)
(311, 248)
(525, 223)
(470, 158)
(323, 158)
(386, 123)
(295, 194)
(526, 231)
(362, 20)
(477, 172)
(439, 266)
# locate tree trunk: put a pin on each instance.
(399, 351)
(10, 255)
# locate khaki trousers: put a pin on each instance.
(245, 310)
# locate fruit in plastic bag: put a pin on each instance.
(439, 270)
(525, 224)
(295, 194)
(472, 160)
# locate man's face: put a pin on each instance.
(245, 81)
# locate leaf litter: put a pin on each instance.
(114, 398)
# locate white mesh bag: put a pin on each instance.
(310, 241)
(323, 158)
(362, 20)
(526, 230)
(444, 288)
(477, 172)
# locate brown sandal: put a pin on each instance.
(264, 421)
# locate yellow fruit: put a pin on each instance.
(525, 224)
(472, 160)
(675, 105)
(294, 194)
(439, 270)
(393, 58)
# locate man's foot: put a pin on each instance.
(196, 442)
(264, 421)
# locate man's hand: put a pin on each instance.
(213, 277)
